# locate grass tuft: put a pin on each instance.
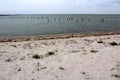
(36, 56)
(93, 51)
(113, 43)
(116, 75)
(83, 73)
(51, 53)
(9, 60)
(100, 42)
(61, 68)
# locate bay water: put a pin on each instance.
(45, 24)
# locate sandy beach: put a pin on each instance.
(72, 58)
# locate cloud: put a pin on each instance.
(60, 6)
(106, 3)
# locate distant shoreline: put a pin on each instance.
(52, 14)
(5, 15)
(55, 36)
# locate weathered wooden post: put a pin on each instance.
(82, 19)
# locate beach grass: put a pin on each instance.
(113, 43)
(36, 56)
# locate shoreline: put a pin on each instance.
(55, 36)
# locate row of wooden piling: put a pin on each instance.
(48, 19)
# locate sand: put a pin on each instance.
(74, 58)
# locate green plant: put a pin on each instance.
(9, 60)
(61, 68)
(100, 42)
(83, 73)
(19, 69)
(116, 75)
(113, 43)
(51, 53)
(93, 51)
(36, 56)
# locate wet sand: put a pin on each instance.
(55, 36)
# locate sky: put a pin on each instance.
(59, 6)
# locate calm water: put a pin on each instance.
(29, 25)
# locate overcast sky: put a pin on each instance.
(60, 6)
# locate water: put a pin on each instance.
(31, 25)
